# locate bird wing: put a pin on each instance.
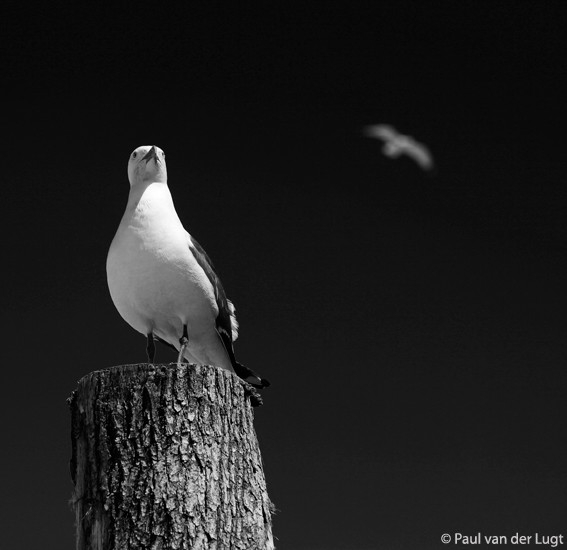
(226, 324)
(420, 153)
(381, 131)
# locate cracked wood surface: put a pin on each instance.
(166, 457)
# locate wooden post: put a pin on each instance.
(166, 457)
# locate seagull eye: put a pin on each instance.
(134, 155)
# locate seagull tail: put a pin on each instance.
(250, 376)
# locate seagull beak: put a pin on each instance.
(151, 154)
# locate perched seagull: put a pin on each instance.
(396, 144)
(162, 282)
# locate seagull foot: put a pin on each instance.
(183, 341)
(150, 347)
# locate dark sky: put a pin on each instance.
(413, 326)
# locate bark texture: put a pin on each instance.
(166, 457)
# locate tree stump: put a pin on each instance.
(166, 457)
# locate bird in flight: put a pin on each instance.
(161, 280)
(396, 144)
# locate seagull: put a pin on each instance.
(161, 280)
(396, 144)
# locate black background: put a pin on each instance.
(413, 326)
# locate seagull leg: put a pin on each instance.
(184, 340)
(150, 347)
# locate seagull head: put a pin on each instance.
(147, 164)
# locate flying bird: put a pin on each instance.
(161, 280)
(396, 144)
